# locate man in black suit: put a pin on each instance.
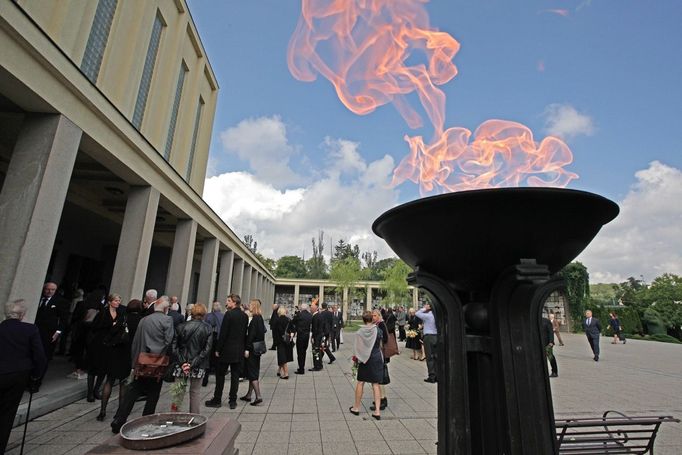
(230, 351)
(327, 329)
(21, 359)
(592, 329)
(318, 336)
(337, 324)
(51, 318)
(302, 322)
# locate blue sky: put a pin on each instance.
(287, 158)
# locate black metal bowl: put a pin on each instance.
(468, 238)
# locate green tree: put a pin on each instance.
(577, 288)
(395, 283)
(662, 301)
(346, 273)
(343, 250)
(250, 243)
(317, 267)
(290, 267)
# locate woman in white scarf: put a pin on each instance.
(370, 364)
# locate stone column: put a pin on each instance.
(297, 291)
(254, 284)
(246, 283)
(225, 275)
(346, 304)
(415, 298)
(132, 256)
(321, 293)
(259, 287)
(180, 267)
(237, 276)
(368, 302)
(208, 270)
(31, 204)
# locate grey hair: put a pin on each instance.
(175, 306)
(304, 307)
(151, 295)
(162, 303)
(15, 309)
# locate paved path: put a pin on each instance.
(309, 414)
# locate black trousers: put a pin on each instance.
(221, 372)
(317, 354)
(12, 387)
(301, 350)
(430, 346)
(594, 344)
(401, 333)
(327, 349)
(336, 338)
(149, 387)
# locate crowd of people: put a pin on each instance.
(108, 341)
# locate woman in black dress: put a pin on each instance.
(387, 349)
(283, 342)
(111, 349)
(255, 333)
(415, 342)
(368, 340)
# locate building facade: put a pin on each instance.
(106, 112)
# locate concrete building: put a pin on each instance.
(106, 111)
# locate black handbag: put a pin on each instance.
(386, 379)
(259, 347)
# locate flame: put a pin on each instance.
(367, 48)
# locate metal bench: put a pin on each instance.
(610, 434)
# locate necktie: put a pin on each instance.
(43, 301)
(589, 320)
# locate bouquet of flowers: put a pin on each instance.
(411, 334)
(354, 366)
(179, 387)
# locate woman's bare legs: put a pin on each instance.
(359, 386)
(377, 398)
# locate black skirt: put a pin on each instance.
(285, 352)
(252, 368)
(372, 371)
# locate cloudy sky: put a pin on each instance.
(289, 159)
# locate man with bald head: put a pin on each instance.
(51, 318)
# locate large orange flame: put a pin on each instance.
(365, 49)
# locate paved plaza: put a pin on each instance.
(309, 414)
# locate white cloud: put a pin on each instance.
(343, 202)
(564, 121)
(262, 142)
(645, 238)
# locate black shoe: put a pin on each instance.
(596, 358)
(278, 374)
(233, 404)
(90, 398)
(625, 341)
(257, 401)
(355, 413)
(100, 417)
(375, 417)
(204, 381)
(245, 398)
(554, 375)
(430, 380)
(382, 405)
(299, 372)
(116, 427)
(331, 361)
(213, 403)
(314, 369)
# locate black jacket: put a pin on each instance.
(22, 349)
(52, 316)
(547, 332)
(281, 326)
(255, 332)
(337, 320)
(232, 338)
(327, 322)
(391, 321)
(193, 344)
(302, 322)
